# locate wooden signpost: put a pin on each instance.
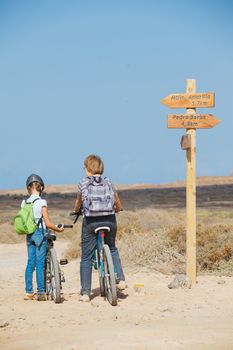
(190, 121)
(194, 121)
(189, 100)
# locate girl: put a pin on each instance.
(36, 242)
(101, 217)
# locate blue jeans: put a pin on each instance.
(36, 248)
(88, 247)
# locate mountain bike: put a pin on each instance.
(107, 278)
(53, 274)
(103, 262)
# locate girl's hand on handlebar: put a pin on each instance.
(60, 228)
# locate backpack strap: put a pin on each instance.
(99, 180)
(108, 183)
(43, 233)
(35, 200)
(90, 181)
(40, 222)
(26, 201)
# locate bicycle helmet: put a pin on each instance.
(34, 178)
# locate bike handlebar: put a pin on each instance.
(76, 215)
(65, 226)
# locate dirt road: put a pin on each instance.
(156, 318)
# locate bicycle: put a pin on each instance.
(53, 274)
(107, 279)
(104, 264)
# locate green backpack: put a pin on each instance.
(24, 220)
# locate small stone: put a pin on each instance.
(4, 324)
(165, 308)
(221, 282)
(180, 280)
(95, 304)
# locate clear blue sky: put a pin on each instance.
(80, 77)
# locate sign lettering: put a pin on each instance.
(195, 121)
(195, 100)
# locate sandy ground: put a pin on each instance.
(155, 318)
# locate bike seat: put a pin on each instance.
(51, 236)
(102, 228)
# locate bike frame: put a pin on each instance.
(48, 272)
(53, 274)
(107, 278)
(100, 243)
(50, 245)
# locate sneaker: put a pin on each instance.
(84, 298)
(121, 285)
(29, 296)
(41, 297)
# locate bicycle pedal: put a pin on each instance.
(63, 261)
(62, 276)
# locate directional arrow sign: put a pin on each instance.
(195, 100)
(195, 121)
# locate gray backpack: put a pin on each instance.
(98, 197)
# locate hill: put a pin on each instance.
(201, 181)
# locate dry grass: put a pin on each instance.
(152, 237)
(155, 239)
(7, 231)
(214, 245)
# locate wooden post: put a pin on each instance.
(191, 194)
(190, 121)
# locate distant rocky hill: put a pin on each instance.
(63, 189)
(212, 192)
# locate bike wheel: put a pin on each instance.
(55, 277)
(102, 289)
(109, 276)
(47, 275)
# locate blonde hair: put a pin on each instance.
(35, 186)
(94, 164)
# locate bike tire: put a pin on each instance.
(102, 288)
(55, 277)
(109, 276)
(47, 276)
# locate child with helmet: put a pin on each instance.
(36, 242)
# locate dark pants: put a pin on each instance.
(89, 241)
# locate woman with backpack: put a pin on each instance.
(36, 242)
(99, 201)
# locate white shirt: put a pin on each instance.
(37, 207)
